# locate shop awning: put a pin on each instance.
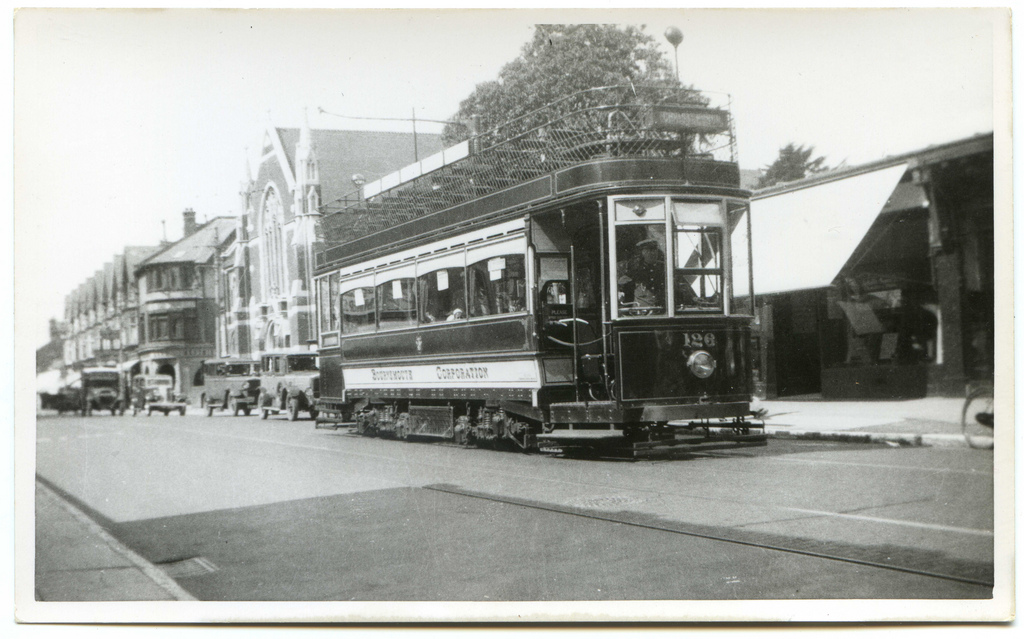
(803, 237)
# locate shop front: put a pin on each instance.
(876, 282)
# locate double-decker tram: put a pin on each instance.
(576, 279)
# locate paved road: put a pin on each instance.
(239, 509)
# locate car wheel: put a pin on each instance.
(313, 413)
(293, 409)
(181, 411)
(235, 408)
(247, 411)
(264, 413)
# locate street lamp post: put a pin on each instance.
(675, 38)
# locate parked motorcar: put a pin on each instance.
(289, 383)
(66, 400)
(231, 384)
(101, 390)
(155, 393)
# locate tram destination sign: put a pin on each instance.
(688, 119)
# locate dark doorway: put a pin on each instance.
(797, 343)
(167, 369)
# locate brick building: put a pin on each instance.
(178, 289)
(101, 315)
(268, 303)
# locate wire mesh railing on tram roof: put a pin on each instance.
(622, 121)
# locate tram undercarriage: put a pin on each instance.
(498, 426)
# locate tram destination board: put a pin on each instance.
(689, 119)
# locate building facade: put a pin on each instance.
(877, 281)
(269, 303)
(101, 315)
(179, 294)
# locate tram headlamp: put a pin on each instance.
(701, 364)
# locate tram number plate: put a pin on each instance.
(699, 340)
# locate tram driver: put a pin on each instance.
(642, 277)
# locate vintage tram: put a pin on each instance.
(576, 279)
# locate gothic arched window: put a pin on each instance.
(273, 244)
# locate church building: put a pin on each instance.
(267, 272)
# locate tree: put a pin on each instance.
(793, 163)
(559, 61)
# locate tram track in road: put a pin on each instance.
(964, 572)
(646, 495)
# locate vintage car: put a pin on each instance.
(66, 400)
(232, 384)
(289, 382)
(101, 390)
(155, 393)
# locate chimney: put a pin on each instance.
(190, 222)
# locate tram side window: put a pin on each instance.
(332, 302)
(443, 295)
(497, 286)
(325, 305)
(358, 312)
(397, 303)
(698, 277)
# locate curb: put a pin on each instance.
(938, 440)
(157, 576)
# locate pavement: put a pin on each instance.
(77, 560)
(930, 421)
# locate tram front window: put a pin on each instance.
(640, 258)
(698, 268)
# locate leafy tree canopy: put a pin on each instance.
(794, 163)
(560, 60)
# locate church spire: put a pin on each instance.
(307, 168)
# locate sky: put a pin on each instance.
(123, 119)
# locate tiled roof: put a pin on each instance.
(133, 255)
(198, 247)
(373, 154)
